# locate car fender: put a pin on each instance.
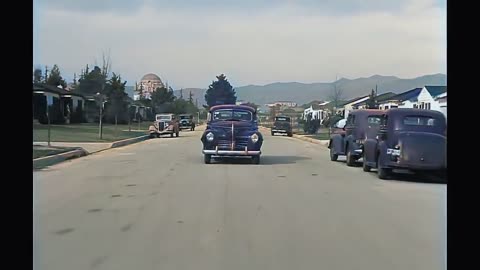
(336, 143)
(369, 149)
(382, 154)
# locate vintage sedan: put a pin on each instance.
(360, 125)
(282, 125)
(186, 122)
(410, 139)
(232, 130)
(164, 124)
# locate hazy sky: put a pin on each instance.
(189, 42)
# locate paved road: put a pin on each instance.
(155, 205)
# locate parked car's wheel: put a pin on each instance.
(152, 135)
(273, 133)
(366, 168)
(350, 158)
(207, 159)
(383, 173)
(157, 135)
(289, 134)
(177, 133)
(171, 135)
(333, 156)
(256, 159)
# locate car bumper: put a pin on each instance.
(415, 166)
(280, 130)
(161, 132)
(245, 152)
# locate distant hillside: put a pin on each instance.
(302, 93)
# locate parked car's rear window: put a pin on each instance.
(419, 121)
(282, 119)
(374, 120)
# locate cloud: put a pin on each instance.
(291, 41)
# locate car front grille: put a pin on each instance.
(239, 144)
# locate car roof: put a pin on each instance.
(231, 106)
(409, 111)
(368, 112)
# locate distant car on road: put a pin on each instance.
(232, 130)
(186, 122)
(360, 125)
(166, 123)
(282, 124)
(411, 139)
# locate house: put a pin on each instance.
(345, 107)
(407, 99)
(65, 106)
(380, 98)
(427, 97)
(442, 102)
(283, 104)
(317, 111)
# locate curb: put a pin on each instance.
(315, 141)
(54, 159)
(129, 141)
(39, 163)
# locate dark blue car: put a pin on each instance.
(232, 131)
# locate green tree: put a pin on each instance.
(117, 99)
(55, 78)
(162, 99)
(372, 101)
(190, 97)
(92, 82)
(37, 75)
(220, 92)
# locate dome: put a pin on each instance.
(151, 77)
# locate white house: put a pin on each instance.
(349, 105)
(318, 111)
(427, 99)
(442, 102)
(406, 99)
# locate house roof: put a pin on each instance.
(436, 90)
(407, 95)
(380, 98)
(352, 101)
(56, 90)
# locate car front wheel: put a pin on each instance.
(333, 156)
(366, 168)
(383, 173)
(256, 159)
(207, 159)
(350, 158)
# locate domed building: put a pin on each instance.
(149, 83)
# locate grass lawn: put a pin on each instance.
(44, 151)
(87, 132)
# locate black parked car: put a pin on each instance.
(410, 139)
(232, 130)
(282, 125)
(361, 124)
(186, 122)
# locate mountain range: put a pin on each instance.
(302, 93)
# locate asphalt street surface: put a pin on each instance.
(156, 205)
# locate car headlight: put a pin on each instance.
(254, 138)
(209, 136)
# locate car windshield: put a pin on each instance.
(282, 119)
(229, 115)
(419, 121)
(184, 117)
(163, 117)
